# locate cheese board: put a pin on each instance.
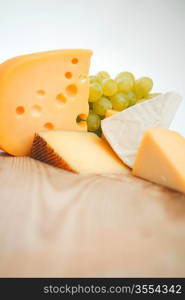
(54, 223)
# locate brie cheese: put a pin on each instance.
(124, 130)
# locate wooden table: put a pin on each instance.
(55, 223)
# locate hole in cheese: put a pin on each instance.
(81, 117)
(41, 92)
(49, 126)
(68, 75)
(74, 61)
(36, 110)
(61, 99)
(20, 110)
(71, 90)
(81, 121)
(82, 124)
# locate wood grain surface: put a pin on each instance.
(55, 223)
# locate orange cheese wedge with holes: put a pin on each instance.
(42, 91)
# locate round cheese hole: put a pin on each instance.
(36, 110)
(71, 90)
(81, 120)
(20, 110)
(74, 61)
(82, 124)
(41, 92)
(81, 117)
(49, 126)
(68, 75)
(61, 99)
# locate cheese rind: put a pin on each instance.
(124, 130)
(75, 151)
(42, 91)
(161, 159)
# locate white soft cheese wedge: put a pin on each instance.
(125, 130)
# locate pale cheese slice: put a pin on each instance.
(76, 151)
(124, 130)
(160, 158)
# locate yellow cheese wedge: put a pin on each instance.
(161, 158)
(75, 151)
(42, 91)
(110, 113)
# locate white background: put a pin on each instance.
(146, 37)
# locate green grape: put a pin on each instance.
(125, 74)
(95, 91)
(149, 96)
(102, 75)
(132, 98)
(142, 87)
(93, 79)
(93, 122)
(109, 87)
(120, 101)
(125, 84)
(101, 106)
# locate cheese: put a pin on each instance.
(124, 130)
(42, 91)
(161, 158)
(110, 113)
(75, 151)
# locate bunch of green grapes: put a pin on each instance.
(117, 94)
